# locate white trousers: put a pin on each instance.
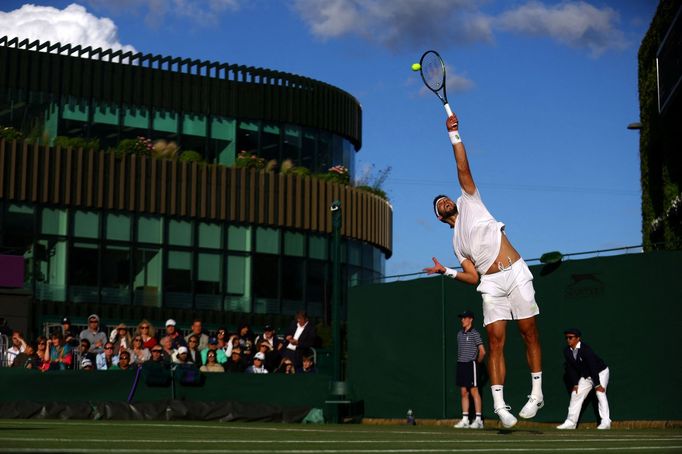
(585, 385)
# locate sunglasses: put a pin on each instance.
(108, 348)
(144, 327)
(570, 337)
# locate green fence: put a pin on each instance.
(402, 347)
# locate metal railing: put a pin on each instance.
(4, 346)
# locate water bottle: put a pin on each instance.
(410, 418)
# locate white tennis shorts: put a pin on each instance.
(508, 294)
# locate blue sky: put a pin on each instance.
(544, 91)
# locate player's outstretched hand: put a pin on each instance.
(436, 268)
(452, 123)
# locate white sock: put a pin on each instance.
(536, 381)
(478, 416)
(498, 396)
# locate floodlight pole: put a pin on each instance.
(336, 288)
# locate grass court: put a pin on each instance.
(18, 436)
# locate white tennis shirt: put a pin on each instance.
(477, 234)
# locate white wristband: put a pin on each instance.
(455, 137)
(450, 272)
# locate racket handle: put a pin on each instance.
(447, 109)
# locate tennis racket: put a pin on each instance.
(433, 75)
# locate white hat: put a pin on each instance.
(86, 363)
(170, 322)
(182, 349)
(260, 356)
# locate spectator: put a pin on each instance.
(94, 335)
(272, 358)
(246, 339)
(87, 365)
(181, 355)
(41, 348)
(139, 353)
(120, 338)
(274, 344)
(84, 351)
(235, 364)
(194, 355)
(58, 354)
(157, 354)
(213, 347)
(27, 359)
(470, 353)
(168, 350)
(198, 330)
(221, 335)
(148, 334)
(300, 337)
(69, 332)
(258, 366)
(173, 334)
(18, 346)
(308, 365)
(211, 363)
(106, 359)
(123, 361)
(286, 367)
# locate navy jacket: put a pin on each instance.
(587, 364)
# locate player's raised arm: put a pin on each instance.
(466, 181)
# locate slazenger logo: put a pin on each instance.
(584, 286)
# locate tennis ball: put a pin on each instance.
(416, 66)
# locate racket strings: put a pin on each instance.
(433, 71)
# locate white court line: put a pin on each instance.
(260, 441)
(332, 451)
(244, 427)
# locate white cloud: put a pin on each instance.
(576, 24)
(454, 82)
(397, 24)
(74, 25)
(203, 12)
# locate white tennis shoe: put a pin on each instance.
(506, 418)
(605, 425)
(567, 425)
(532, 406)
(462, 424)
(477, 424)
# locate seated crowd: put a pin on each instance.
(127, 348)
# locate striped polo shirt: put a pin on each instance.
(467, 345)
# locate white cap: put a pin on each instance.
(182, 349)
(170, 322)
(86, 362)
(260, 356)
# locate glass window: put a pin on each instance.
(308, 149)
(291, 146)
(222, 143)
(209, 235)
(86, 224)
(178, 281)
(50, 257)
(239, 273)
(349, 157)
(209, 283)
(135, 122)
(317, 247)
(194, 133)
(247, 137)
(292, 276)
(318, 286)
(239, 238)
(294, 243)
(270, 142)
(83, 266)
(17, 227)
(167, 122)
(105, 125)
(149, 229)
(54, 221)
(116, 263)
(147, 276)
(354, 253)
(179, 232)
(106, 114)
(118, 227)
(267, 240)
(324, 152)
(265, 276)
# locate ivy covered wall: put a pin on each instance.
(660, 141)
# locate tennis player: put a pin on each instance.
(506, 283)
